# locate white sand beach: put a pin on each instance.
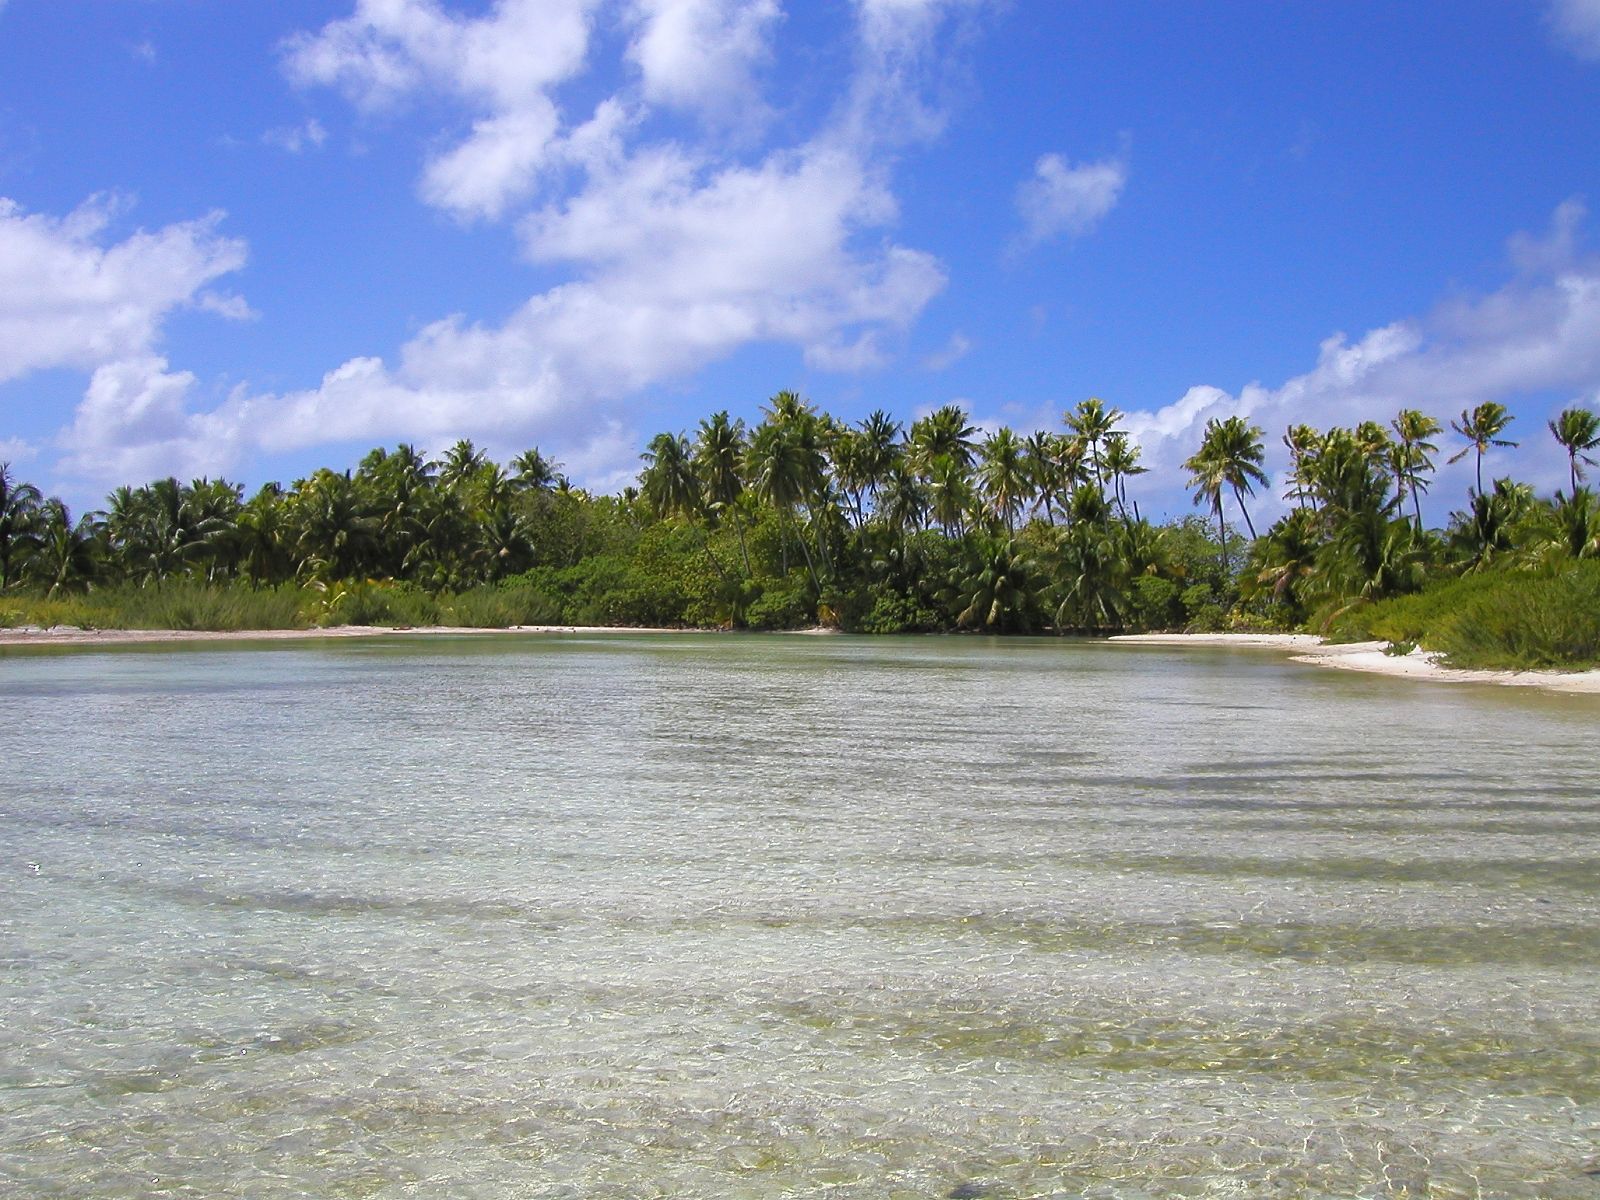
(1370, 657)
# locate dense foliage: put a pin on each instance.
(871, 527)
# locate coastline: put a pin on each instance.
(1371, 658)
(63, 635)
(1368, 657)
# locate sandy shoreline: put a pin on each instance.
(1370, 657)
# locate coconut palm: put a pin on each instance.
(1412, 454)
(531, 471)
(1304, 444)
(1482, 427)
(65, 557)
(1003, 476)
(1230, 456)
(1578, 431)
(719, 451)
(997, 588)
(1121, 459)
(944, 433)
(668, 482)
(1093, 422)
(19, 524)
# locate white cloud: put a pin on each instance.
(1536, 337)
(1577, 25)
(296, 139)
(1062, 198)
(14, 450)
(68, 299)
(503, 63)
(701, 55)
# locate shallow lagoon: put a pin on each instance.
(680, 916)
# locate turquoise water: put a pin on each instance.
(687, 916)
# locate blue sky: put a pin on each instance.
(251, 239)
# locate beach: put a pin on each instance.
(1371, 657)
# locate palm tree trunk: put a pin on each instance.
(1248, 522)
(1222, 528)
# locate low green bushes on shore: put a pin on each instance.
(1505, 620)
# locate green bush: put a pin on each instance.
(1498, 620)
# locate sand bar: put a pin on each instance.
(1370, 657)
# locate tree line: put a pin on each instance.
(873, 526)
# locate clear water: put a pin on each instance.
(767, 917)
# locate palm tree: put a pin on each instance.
(719, 452)
(1413, 429)
(1482, 428)
(1304, 443)
(1121, 463)
(944, 433)
(1003, 476)
(531, 471)
(19, 524)
(66, 554)
(997, 588)
(1578, 431)
(1093, 422)
(1230, 456)
(669, 482)
(460, 463)
(786, 470)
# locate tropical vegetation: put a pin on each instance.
(873, 527)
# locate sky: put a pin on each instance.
(249, 239)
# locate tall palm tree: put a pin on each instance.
(944, 433)
(1093, 422)
(719, 451)
(1413, 429)
(669, 482)
(460, 463)
(1578, 431)
(1303, 443)
(787, 470)
(531, 471)
(1122, 463)
(1482, 428)
(19, 523)
(1003, 476)
(1230, 456)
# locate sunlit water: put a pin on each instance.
(712, 916)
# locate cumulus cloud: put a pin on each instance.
(1577, 25)
(953, 351)
(1061, 198)
(701, 55)
(676, 250)
(679, 253)
(1532, 344)
(69, 299)
(503, 63)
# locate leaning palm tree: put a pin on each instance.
(1578, 431)
(1482, 427)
